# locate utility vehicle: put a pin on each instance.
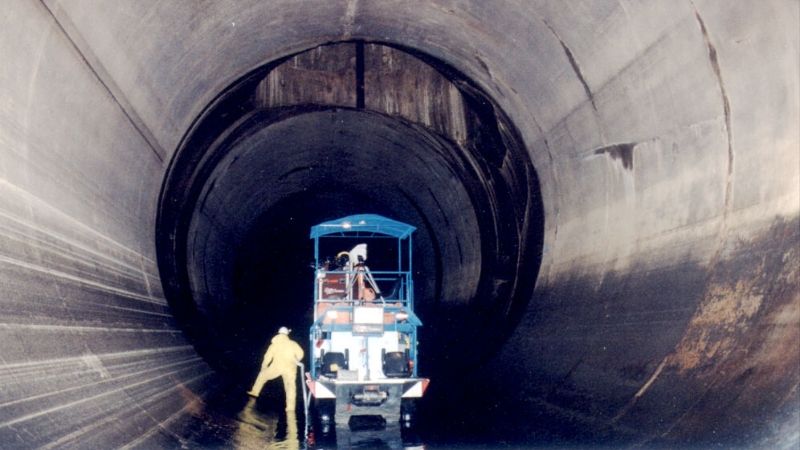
(363, 340)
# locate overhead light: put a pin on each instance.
(346, 225)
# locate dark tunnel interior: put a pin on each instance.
(238, 247)
(605, 197)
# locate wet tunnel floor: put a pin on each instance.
(228, 418)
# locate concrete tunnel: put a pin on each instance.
(607, 197)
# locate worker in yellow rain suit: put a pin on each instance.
(280, 360)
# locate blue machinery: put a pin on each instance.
(363, 340)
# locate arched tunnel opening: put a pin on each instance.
(606, 198)
(275, 154)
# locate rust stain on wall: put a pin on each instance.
(741, 347)
(741, 294)
(712, 332)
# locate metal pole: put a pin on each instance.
(306, 395)
(303, 384)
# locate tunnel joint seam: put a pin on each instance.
(726, 108)
(97, 69)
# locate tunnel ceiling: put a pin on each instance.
(336, 130)
(661, 138)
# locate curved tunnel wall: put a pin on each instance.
(664, 136)
(398, 138)
(295, 189)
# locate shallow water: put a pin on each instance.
(262, 424)
(233, 420)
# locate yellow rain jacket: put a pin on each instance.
(280, 360)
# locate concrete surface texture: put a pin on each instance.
(657, 302)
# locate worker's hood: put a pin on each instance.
(279, 338)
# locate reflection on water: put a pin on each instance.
(230, 419)
(227, 418)
(389, 436)
(258, 429)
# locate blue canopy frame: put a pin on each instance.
(367, 226)
(362, 225)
